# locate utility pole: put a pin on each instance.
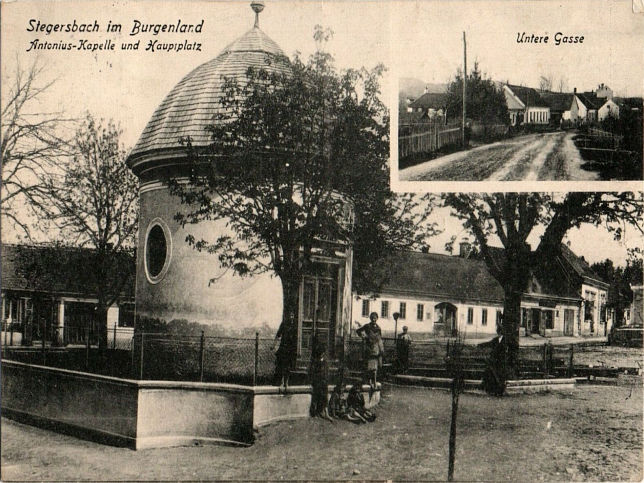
(464, 86)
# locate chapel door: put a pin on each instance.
(318, 313)
(568, 321)
(535, 321)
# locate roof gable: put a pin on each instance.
(431, 100)
(528, 96)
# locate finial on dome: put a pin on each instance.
(257, 6)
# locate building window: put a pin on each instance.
(158, 249)
(420, 311)
(470, 316)
(499, 318)
(403, 310)
(484, 317)
(548, 319)
(126, 315)
(384, 309)
(365, 308)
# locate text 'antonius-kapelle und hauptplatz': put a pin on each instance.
(85, 35)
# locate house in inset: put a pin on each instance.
(48, 291)
(432, 105)
(526, 106)
(559, 103)
(588, 107)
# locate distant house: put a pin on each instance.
(526, 106)
(559, 103)
(45, 291)
(442, 295)
(593, 106)
(431, 105)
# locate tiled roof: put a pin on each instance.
(529, 96)
(192, 103)
(558, 101)
(590, 100)
(442, 276)
(431, 100)
(54, 270)
(579, 265)
(468, 279)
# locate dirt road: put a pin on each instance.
(589, 433)
(543, 156)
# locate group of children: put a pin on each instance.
(351, 408)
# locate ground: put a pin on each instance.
(589, 433)
(543, 156)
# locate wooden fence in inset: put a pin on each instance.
(432, 139)
(606, 136)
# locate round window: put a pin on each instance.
(157, 251)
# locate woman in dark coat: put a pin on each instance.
(372, 336)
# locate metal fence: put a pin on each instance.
(177, 357)
(203, 358)
(429, 358)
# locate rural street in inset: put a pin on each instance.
(542, 156)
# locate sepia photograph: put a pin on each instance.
(553, 92)
(209, 270)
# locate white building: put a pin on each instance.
(438, 295)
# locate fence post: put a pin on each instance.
(141, 357)
(571, 367)
(545, 360)
(202, 339)
(43, 337)
(87, 348)
(114, 338)
(256, 365)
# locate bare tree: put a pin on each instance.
(563, 84)
(545, 83)
(93, 201)
(32, 144)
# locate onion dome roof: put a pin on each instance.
(190, 106)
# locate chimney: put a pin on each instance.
(465, 248)
(426, 89)
(574, 90)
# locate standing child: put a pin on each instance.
(403, 345)
(319, 374)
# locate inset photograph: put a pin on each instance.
(549, 95)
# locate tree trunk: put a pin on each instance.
(287, 352)
(101, 321)
(510, 330)
(516, 277)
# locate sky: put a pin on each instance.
(430, 47)
(128, 85)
